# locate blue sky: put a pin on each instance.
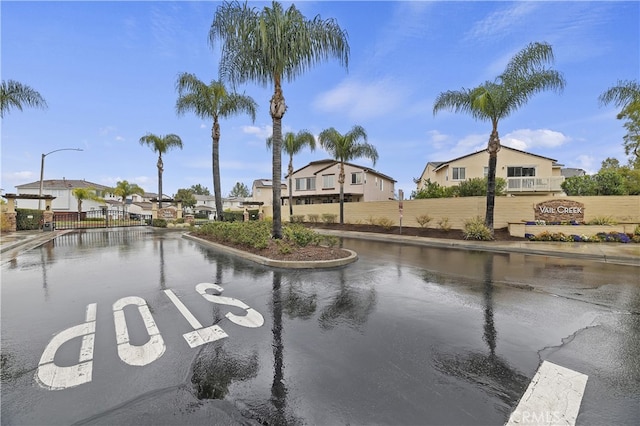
(108, 72)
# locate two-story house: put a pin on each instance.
(524, 172)
(317, 183)
(65, 200)
(262, 191)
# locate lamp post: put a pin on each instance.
(42, 170)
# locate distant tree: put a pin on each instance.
(186, 196)
(477, 187)
(200, 190)
(293, 144)
(610, 163)
(82, 194)
(212, 102)
(269, 47)
(124, 190)
(431, 190)
(16, 95)
(610, 182)
(580, 186)
(524, 76)
(626, 95)
(161, 144)
(344, 148)
(239, 190)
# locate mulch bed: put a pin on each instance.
(501, 234)
(273, 251)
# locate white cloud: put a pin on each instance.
(260, 132)
(501, 23)
(360, 100)
(11, 179)
(527, 139)
(586, 162)
(120, 139)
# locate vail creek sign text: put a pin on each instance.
(559, 211)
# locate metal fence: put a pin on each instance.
(97, 219)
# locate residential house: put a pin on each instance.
(572, 172)
(262, 191)
(206, 205)
(62, 190)
(524, 172)
(317, 183)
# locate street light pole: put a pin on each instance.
(42, 170)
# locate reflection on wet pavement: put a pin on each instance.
(406, 335)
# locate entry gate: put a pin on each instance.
(99, 219)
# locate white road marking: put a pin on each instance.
(53, 377)
(252, 319)
(131, 354)
(200, 335)
(552, 398)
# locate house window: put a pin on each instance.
(381, 185)
(356, 178)
(521, 171)
(457, 173)
(327, 181)
(485, 172)
(306, 184)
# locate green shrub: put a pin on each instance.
(385, 222)
(329, 218)
(284, 247)
(636, 231)
(444, 224)
(159, 223)
(297, 218)
(299, 235)
(602, 220)
(28, 219)
(423, 220)
(313, 218)
(475, 229)
(254, 234)
(232, 216)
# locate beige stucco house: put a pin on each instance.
(317, 183)
(525, 173)
(262, 191)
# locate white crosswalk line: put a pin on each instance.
(552, 398)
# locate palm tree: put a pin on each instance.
(14, 95)
(212, 102)
(524, 76)
(124, 189)
(626, 95)
(270, 46)
(161, 144)
(344, 148)
(293, 144)
(82, 194)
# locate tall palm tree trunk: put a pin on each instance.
(160, 168)
(492, 148)
(290, 186)
(341, 182)
(277, 110)
(215, 152)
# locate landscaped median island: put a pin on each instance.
(300, 247)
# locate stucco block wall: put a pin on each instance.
(622, 209)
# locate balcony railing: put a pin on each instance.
(534, 184)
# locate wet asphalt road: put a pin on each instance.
(406, 335)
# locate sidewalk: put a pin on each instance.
(617, 253)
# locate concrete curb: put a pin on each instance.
(588, 251)
(316, 264)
